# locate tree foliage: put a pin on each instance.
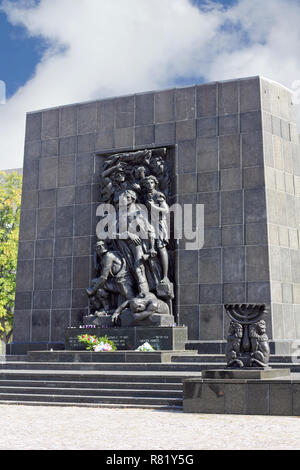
(10, 206)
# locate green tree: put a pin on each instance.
(10, 206)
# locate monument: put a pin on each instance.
(132, 287)
(230, 146)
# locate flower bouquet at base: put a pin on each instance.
(93, 343)
(104, 344)
(145, 347)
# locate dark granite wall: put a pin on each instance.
(219, 138)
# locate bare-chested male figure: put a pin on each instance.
(113, 277)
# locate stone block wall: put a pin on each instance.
(228, 143)
(282, 183)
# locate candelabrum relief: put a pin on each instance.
(131, 255)
(247, 341)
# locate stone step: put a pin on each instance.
(180, 367)
(91, 385)
(15, 358)
(200, 358)
(97, 400)
(152, 389)
(163, 356)
(95, 366)
(97, 376)
(109, 356)
(109, 392)
(91, 405)
(222, 359)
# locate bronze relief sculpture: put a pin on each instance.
(132, 284)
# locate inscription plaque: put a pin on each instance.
(126, 339)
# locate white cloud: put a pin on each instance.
(267, 42)
(100, 48)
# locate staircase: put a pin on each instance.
(97, 389)
(143, 380)
(54, 381)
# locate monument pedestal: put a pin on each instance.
(126, 339)
(114, 357)
(105, 321)
(253, 391)
(245, 374)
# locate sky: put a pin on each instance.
(56, 52)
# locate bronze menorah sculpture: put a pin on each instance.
(247, 341)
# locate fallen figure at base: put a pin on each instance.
(141, 307)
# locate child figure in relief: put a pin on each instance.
(155, 201)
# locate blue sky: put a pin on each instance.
(56, 52)
(20, 53)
